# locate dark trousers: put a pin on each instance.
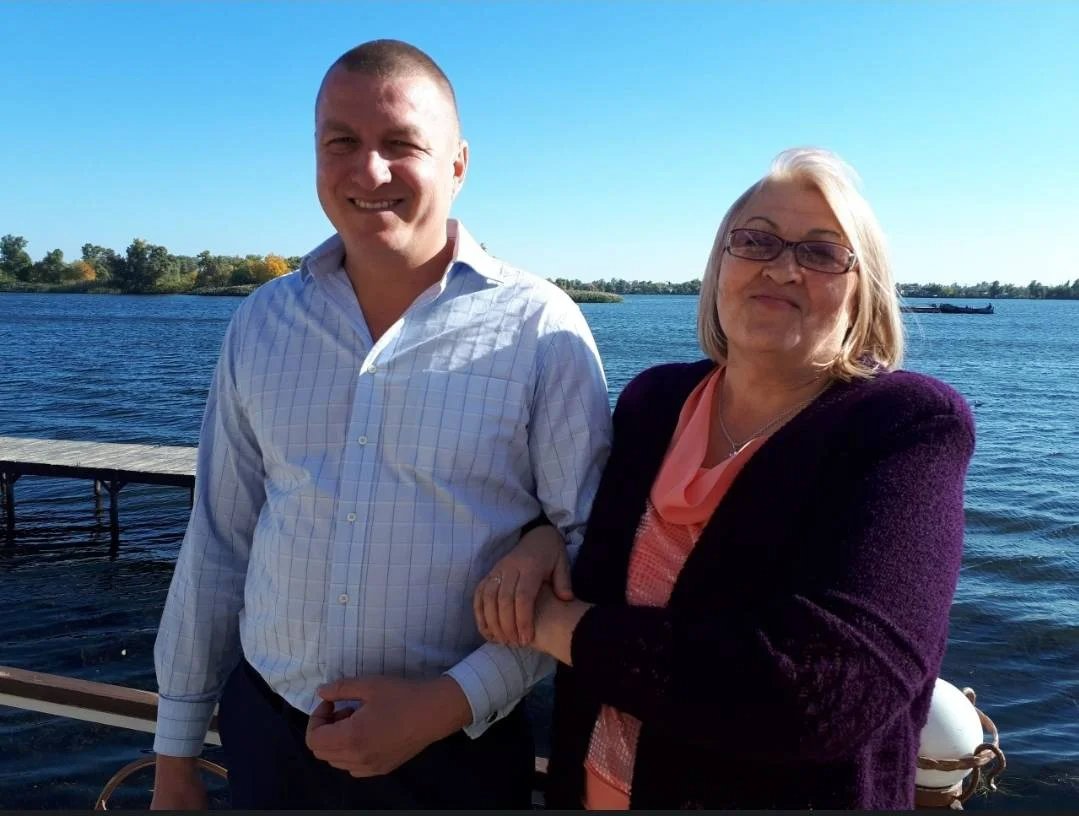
(270, 766)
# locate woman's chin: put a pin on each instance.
(767, 344)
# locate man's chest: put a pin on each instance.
(437, 399)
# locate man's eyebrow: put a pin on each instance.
(811, 233)
(333, 124)
(409, 133)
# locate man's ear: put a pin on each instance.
(460, 167)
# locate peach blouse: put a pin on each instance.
(681, 501)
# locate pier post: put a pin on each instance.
(97, 496)
(7, 485)
(114, 511)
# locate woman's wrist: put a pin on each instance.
(556, 622)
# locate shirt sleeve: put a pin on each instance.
(569, 441)
(198, 639)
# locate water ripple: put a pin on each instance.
(71, 608)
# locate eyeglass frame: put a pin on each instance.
(793, 246)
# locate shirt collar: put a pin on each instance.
(467, 251)
(330, 254)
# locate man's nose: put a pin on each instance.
(371, 169)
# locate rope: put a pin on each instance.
(138, 765)
(986, 757)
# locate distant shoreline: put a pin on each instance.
(241, 290)
(578, 295)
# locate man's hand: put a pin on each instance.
(504, 601)
(177, 785)
(395, 721)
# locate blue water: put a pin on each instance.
(135, 369)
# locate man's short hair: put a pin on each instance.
(388, 59)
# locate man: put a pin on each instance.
(381, 425)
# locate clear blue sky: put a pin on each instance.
(607, 138)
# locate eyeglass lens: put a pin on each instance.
(758, 245)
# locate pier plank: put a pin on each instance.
(148, 464)
(113, 464)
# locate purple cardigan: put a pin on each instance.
(794, 664)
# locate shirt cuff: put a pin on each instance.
(494, 679)
(182, 727)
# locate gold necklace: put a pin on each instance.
(735, 448)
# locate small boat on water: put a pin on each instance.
(948, 308)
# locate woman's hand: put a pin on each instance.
(555, 622)
(504, 601)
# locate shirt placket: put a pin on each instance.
(347, 604)
(359, 474)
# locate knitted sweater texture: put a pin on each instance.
(795, 661)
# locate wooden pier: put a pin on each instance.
(109, 465)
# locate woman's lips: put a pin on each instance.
(773, 302)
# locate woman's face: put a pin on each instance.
(777, 307)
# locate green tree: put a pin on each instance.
(50, 269)
(145, 266)
(256, 269)
(179, 275)
(14, 260)
(212, 270)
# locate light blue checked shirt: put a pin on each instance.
(351, 494)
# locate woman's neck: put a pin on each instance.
(751, 396)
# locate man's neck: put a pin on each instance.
(385, 286)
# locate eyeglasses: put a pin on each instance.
(821, 256)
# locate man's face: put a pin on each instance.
(390, 162)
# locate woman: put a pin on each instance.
(762, 596)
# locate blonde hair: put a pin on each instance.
(875, 336)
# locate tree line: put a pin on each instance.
(146, 267)
(995, 290)
(618, 286)
(143, 267)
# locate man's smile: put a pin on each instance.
(375, 205)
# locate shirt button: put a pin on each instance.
(342, 598)
(351, 516)
(362, 440)
(371, 369)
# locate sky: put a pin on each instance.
(607, 139)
